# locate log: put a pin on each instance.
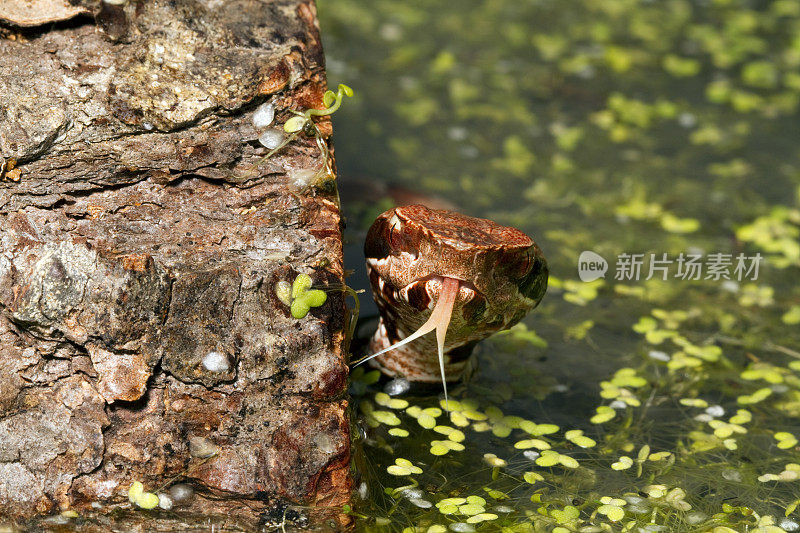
(142, 236)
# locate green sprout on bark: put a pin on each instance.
(140, 498)
(299, 296)
(303, 122)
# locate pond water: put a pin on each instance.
(621, 128)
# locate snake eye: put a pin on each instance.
(395, 237)
(401, 239)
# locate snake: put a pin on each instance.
(462, 276)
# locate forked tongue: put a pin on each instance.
(439, 320)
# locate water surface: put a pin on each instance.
(617, 127)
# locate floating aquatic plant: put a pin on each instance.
(403, 467)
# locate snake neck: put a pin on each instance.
(413, 361)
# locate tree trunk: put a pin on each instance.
(141, 240)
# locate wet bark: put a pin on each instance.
(139, 232)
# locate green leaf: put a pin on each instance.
(427, 421)
(328, 98)
(644, 453)
(624, 463)
(346, 90)
(532, 477)
(439, 449)
(645, 324)
(301, 284)
(283, 290)
(135, 491)
(496, 494)
(471, 509)
(614, 513)
(386, 417)
(315, 297)
(481, 517)
(604, 414)
(300, 308)
(548, 458)
(792, 316)
(147, 500)
(371, 377)
(295, 124)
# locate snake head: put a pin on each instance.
(461, 276)
(502, 271)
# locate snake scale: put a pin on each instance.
(464, 277)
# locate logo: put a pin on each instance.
(591, 266)
(715, 266)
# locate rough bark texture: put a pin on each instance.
(139, 232)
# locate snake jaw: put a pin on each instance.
(422, 294)
(439, 320)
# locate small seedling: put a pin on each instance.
(303, 122)
(300, 297)
(140, 498)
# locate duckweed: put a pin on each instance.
(426, 420)
(537, 430)
(612, 508)
(135, 491)
(694, 402)
(757, 397)
(385, 400)
(604, 414)
(459, 419)
(785, 440)
(441, 447)
(623, 463)
(403, 467)
(552, 458)
(577, 437)
(494, 461)
(481, 517)
(532, 443)
(450, 505)
(386, 417)
(724, 430)
(451, 433)
(792, 316)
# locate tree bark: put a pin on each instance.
(139, 232)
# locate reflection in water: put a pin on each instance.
(620, 128)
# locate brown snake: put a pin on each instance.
(465, 277)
